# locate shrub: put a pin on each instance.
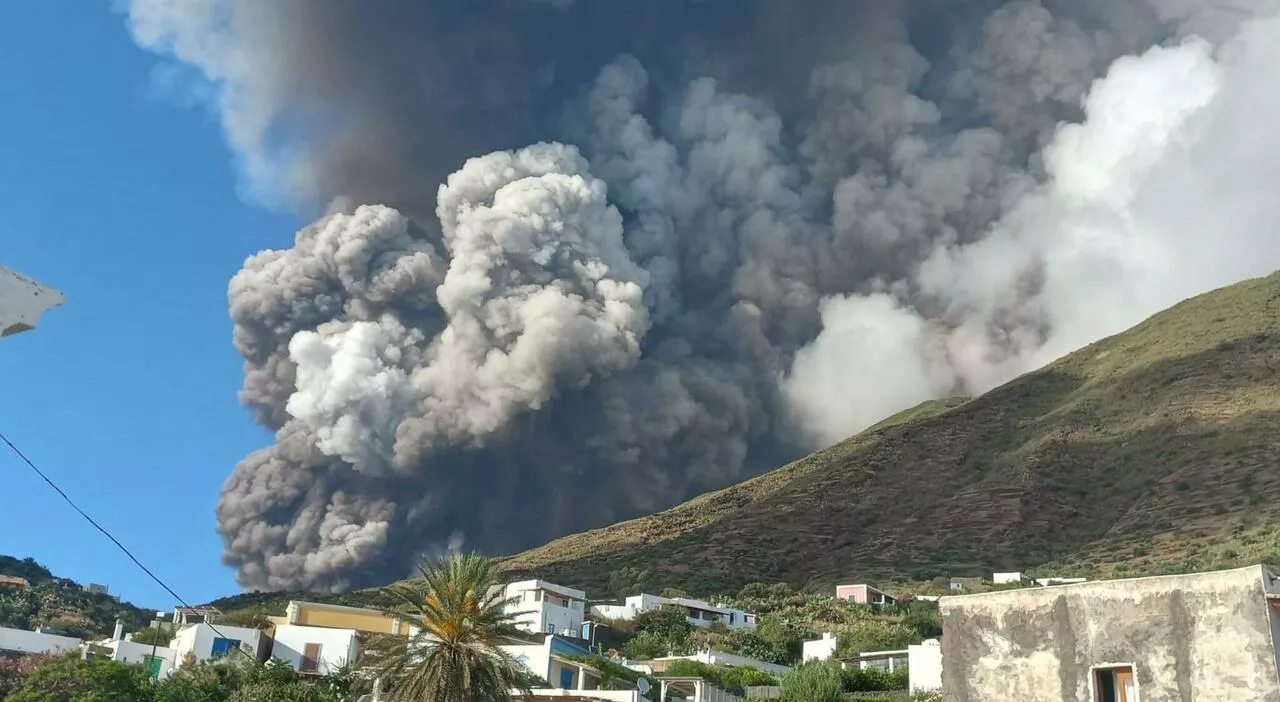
(812, 682)
(873, 680)
(733, 680)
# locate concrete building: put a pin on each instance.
(316, 614)
(879, 660)
(318, 639)
(924, 666)
(549, 660)
(206, 641)
(546, 608)
(699, 612)
(23, 301)
(820, 649)
(159, 661)
(864, 594)
(14, 582)
(1010, 578)
(184, 616)
(1208, 637)
(20, 641)
(314, 650)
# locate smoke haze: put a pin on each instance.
(583, 260)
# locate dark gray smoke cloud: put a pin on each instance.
(586, 259)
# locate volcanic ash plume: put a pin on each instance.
(583, 260)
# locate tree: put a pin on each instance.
(664, 631)
(71, 679)
(458, 608)
(812, 682)
(159, 635)
(746, 642)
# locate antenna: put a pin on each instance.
(642, 686)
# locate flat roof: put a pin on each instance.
(1088, 584)
(339, 608)
(568, 592)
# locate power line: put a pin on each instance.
(105, 533)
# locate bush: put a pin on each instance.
(733, 680)
(749, 643)
(70, 678)
(923, 619)
(665, 631)
(812, 682)
(874, 680)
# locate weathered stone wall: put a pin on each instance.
(1190, 638)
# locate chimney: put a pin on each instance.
(118, 635)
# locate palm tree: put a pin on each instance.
(458, 612)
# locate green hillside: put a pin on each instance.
(61, 604)
(1152, 451)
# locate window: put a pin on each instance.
(222, 647)
(1115, 684)
(551, 628)
(310, 658)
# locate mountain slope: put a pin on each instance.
(1151, 451)
(60, 604)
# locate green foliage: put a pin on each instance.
(26, 568)
(664, 631)
(874, 680)
(733, 680)
(615, 675)
(70, 679)
(923, 620)
(60, 603)
(813, 682)
(750, 643)
(13, 671)
(764, 591)
(459, 611)
(159, 635)
(875, 635)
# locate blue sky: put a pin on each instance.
(128, 203)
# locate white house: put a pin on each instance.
(546, 608)
(880, 660)
(924, 666)
(206, 641)
(1011, 578)
(820, 649)
(315, 650)
(22, 641)
(699, 612)
(551, 660)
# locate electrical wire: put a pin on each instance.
(105, 533)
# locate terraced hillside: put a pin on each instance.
(1155, 450)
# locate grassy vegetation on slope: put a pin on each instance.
(61, 604)
(1151, 451)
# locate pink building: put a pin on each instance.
(864, 594)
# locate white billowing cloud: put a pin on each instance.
(352, 391)
(889, 346)
(1163, 191)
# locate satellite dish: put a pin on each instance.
(642, 685)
